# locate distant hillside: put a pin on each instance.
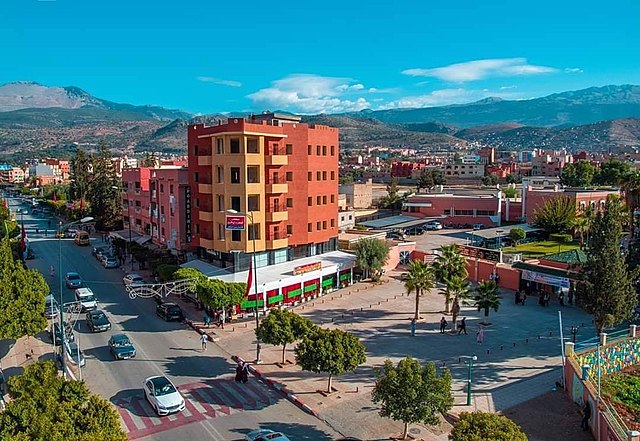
(568, 108)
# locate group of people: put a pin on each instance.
(242, 372)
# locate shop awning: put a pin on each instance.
(544, 270)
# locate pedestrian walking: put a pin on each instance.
(463, 326)
(443, 325)
(203, 341)
(413, 327)
(223, 317)
(239, 372)
(547, 297)
(571, 293)
(586, 415)
(480, 335)
(561, 298)
(52, 271)
(245, 372)
(518, 297)
(524, 298)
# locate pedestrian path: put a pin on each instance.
(215, 398)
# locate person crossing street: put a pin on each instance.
(203, 341)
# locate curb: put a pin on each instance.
(284, 391)
(200, 330)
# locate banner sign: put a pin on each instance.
(546, 279)
(187, 213)
(480, 253)
(235, 222)
(307, 268)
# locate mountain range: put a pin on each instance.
(37, 120)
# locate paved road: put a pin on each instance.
(217, 407)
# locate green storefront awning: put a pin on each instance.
(327, 282)
(275, 299)
(294, 293)
(311, 287)
(251, 304)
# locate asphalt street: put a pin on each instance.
(218, 408)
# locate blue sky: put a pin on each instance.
(207, 56)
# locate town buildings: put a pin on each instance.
(549, 162)
(358, 195)
(283, 174)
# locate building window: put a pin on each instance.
(161, 188)
(309, 176)
(197, 228)
(309, 227)
(318, 150)
(289, 229)
(324, 175)
(235, 175)
(221, 202)
(234, 145)
(333, 176)
(220, 232)
(318, 176)
(333, 198)
(318, 226)
(350, 217)
(310, 201)
(162, 229)
(254, 231)
(446, 213)
(253, 202)
(309, 150)
(252, 145)
(324, 200)
(318, 200)
(220, 174)
(236, 236)
(324, 150)
(197, 203)
(289, 176)
(195, 177)
(235, 203)
(161, 209)
(289, 202)
(464, 212)
(485, 212)
(195, 150)
(289, 149)
(253, 174)
(171, 189)
(333, 223)
(220, 146)
(324, 225)
(333, 150)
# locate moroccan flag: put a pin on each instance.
(55, 198)
(81, 205)
(4, 202)
(249, 279)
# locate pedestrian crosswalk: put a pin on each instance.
(211, 399)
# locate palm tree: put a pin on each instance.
(450, 263)
(420, 278)
(459, 291)
(487, 297)
(582, 224)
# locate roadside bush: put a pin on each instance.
(561, 237)
(166, 271)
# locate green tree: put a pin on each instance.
(490, 180)
(371, 255)
(104, 191)
(448, 264)
(166, 271)
(412, 393)
(607, 289)
(580, 174)
(218, 294)
(282, 327)
(517, 234)
(425, 180)
(557, 215)
(148, 160)
(510, 192)
(484, 426)
(613, 172)
(194, 276)
(81, 175)
(331, 351)
(487, 297)
(511, 179)
(22, 294)
(45, 407)
(458, 288)
(420, 278)
(393, 200)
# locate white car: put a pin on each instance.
(132, 278)
(86, 298)
(163, 396)
(266, 435)
(433, 225)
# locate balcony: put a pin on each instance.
(206, 216)
(204, 160)
(206, 243)
(205, 188)
(276, 241)
(276, 157)
(277, 214)
(277, 185)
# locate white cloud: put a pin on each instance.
(445, 97)
(508, 87)
(573, 70)
(230, 83)
(480, 69)
(308, 93)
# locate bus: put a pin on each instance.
(82, 238)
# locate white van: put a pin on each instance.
(87, 299)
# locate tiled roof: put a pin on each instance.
(572, 257)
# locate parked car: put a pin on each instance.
(73, 353)
(478, 226)
(414, 231)
(111, 262)
(395, 235)
(97, 321)
(51, 307)
(266, 435)
(97, 250)
(163, 396)
(132, 278)
(70, 233)
(121, 347)
(86, 298)
(73, 280)
(432, 225)
(170, 311)
(56, 333)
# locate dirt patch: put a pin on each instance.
(549, 417)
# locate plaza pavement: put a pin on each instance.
(519, 359)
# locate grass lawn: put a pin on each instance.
(542, 248)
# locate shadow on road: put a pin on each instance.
(298, 432)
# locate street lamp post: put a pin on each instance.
(129, 223)
(469, 372)
(255, 276)
(62, 327)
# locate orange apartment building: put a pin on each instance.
(284, 173)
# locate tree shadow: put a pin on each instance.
(5, 346)
(295, 431)
(198, 366)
